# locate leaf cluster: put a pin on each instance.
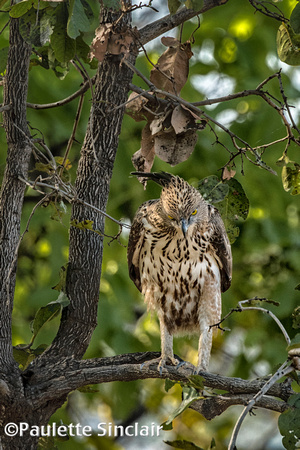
(58, 31)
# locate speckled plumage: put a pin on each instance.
(179, 257)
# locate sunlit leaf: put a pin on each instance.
(47, 313)
(189, 395)
(169, 384)
(20, 9)
(291, 178)
(288, 45)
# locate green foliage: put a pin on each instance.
(183, 444)
(230, 199)
(189, 395)
(47, 313)
(289, 423)
(174, 5)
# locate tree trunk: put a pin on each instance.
(94, 173)
(13, 403)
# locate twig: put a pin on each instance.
(241, 308)
(284, 370)
(21, 239)
(71, 198)
(72, 137)
(66, 100)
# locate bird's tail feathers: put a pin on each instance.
(162, 178)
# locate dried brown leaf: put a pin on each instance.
(135, 107)
(106, 41)
(180, 120)
(173, 66)
(143, 159)
(175, 148)
(228, 173)
(119, 43)
(100, 42)
(170, 41)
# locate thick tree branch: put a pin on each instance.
(161, 26)
(59, 380)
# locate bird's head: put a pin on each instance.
(182, 205)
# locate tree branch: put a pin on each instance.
(161, 26)
(54, 380)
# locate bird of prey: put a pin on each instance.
(179, 257)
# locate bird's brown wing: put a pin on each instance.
(220, 243)
(136, 241)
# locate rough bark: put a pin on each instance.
(13, 403)
(94, 172)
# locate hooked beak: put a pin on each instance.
(184, 226)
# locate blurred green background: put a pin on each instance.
(234, 50)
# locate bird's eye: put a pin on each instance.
(194, 212)
(170, 217)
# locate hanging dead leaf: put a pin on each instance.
(106, 41)
(175, 148)
(135, 107)
(119, 43)
(143, 159)
(100, 42)
(180, 120)
(184, 119)
(172, 68)
(228, 173)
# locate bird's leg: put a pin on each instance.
(204, 349)
(166, 347)
(166, 350)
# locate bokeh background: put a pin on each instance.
(234, 50)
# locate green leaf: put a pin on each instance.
(291, 178)
(3, 59)
(63, 46)
(196, 381)
(78, 20)
(196, 5)
(230, 199)
(83, 225)
(47, 313)
(212, 189)
(288, 45)
(61, 285)
(59, 68)
(186, 445)
(169, 384)
(20, 9)
(295, 19)
(295, 342)
(289, 423)
(113, 4)
(35, 32)
(189, 395)
(296, 318)
(174, 5)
